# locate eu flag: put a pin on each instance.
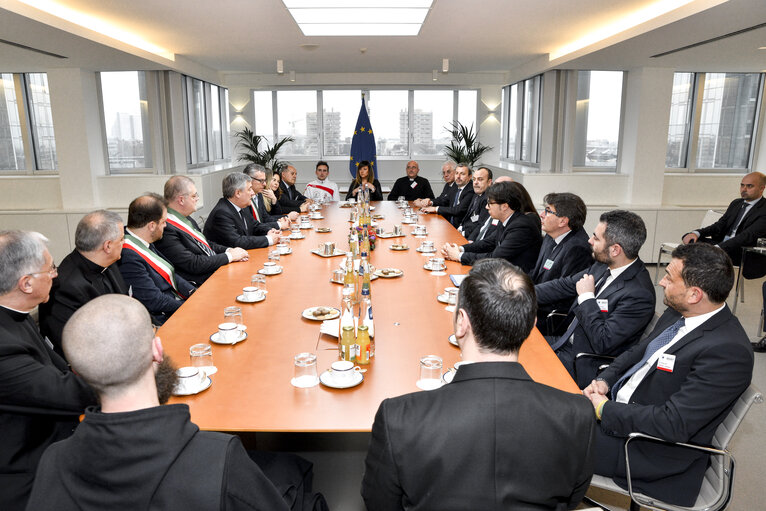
(363, 143)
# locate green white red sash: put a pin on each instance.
(325, 188)
(158, 264)
(181, 222)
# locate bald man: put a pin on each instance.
(411, 187)
(133, 453)
(742, 224)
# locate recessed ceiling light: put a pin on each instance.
(359, 17)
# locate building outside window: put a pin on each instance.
(125, 110)
(597, 119)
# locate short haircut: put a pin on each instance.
(707, 267)
(144, 209)
(466, 166)
(489, 171)
(21, 253)
(499, 299)
(251, 168)
(233, 182)
(626, 229)
(451, 164)
(502, 193)
(176, 186)
(108, 341)
(95, 228)
(320, 162)
(568, 205)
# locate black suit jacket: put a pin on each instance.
(224, 225)
(455, 214)
(476, 209)
(753, 226)
(187, 255)
(291, 199)
(79, 281)
(266, 218)
(447, 195)
(713, 366)
(40, 400)
(491, 439)
(630, 306)
(403, 187)
(518, 242)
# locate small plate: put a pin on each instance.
(216, 339)
(288, 252)
(268, 274)
(391, 275)
(205, 385)
(317, 218)
(413, 221)
(305, 226)
(309, 314)
(443, 298)
(327, 380)
(241, 298)
(378, 217)
(399, 247)
(334, 254)
(452, 340)
(344, 204)
(323, 229)
(426, 251)
(296, 236)
(387, 235)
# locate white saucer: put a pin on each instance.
(308, 314)
(305, 382)
(443, 298)
(215, 338)
(305, 226)
(429, 268)
(288, 252)
(425, 251)
(241, 298)
(264, 272)
(296, 236)
(328, 380)
(205, 385)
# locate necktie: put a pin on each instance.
(659, 342)
(739, 218)
(457, 199)
(484, 228)
(573, 325)
(243, 214)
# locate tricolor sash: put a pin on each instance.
(181, 222)
(158, 263)
(326, 189)
(254, 211)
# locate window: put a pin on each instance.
(125, 110)
(712, 119)
(521, 115)
(597, 118)
(406, 123)
(27, 139)
(205, 109)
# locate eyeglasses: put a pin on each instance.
(262, 181)
(194, 196)
(51, 273)
(549, 211)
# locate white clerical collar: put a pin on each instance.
(15, 310)
(139, 238)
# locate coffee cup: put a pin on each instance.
(451, 293)
(397, 230)
(436, 263)
(344, 371)
(190, 378)
(328, 248)
(228, 332)
(251, 293)
(283, 248)
(270, 267)
(427, 246)
(338, 276)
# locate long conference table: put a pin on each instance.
(251, 392)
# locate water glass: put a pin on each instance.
(201, 357)
(305, 371)
(233, 314)
(430, 372)
(259, 281)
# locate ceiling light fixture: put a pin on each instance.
(435, 75)
(292, 76)
(359, 17)
(445, 65)
(100, 26)
(280, 66)
(648, 13)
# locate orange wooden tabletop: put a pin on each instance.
(251, 390)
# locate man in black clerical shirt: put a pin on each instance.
(411, 186)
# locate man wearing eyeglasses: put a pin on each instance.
(40, 398)
(258, 175)
(194, 257)
(565, 249)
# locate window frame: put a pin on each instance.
(520, 122)
(192, 158)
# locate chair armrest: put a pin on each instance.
(595, 356)
(557, 317)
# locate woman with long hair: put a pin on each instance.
(364, 177)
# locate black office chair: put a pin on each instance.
(752, 266)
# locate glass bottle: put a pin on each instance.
(362, 345)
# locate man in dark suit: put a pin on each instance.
(533, 441)
(257, 174)
(461, 200)
(411, 186)
(194, 257)
(87, 272)
(678, 384)
(614, 298)
(151, 278)
(477, 212)
(40, 398)
(565, 249)
(231, 222)
(516, 238)
(291, 199)
(448, 191)
(742, 224)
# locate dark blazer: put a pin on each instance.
(519, 243)
(291, 199)
(79, 281)
(403, 187)
(476, 209)
(713, 366)
(40, 401)
(491, 439)
(753, 226)
(572, 255)
(630, 307)
(376, 195)
(224, 225)
(188, 256)
(455, 214)
(447, 195)
(265, 216)
(149, 288)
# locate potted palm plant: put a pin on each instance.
(464, 147)
(250, 145)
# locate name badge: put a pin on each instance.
(666, 362)
(548, 264)
(414, 184)
(474, 218)
(495, 221)
(603, 304)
